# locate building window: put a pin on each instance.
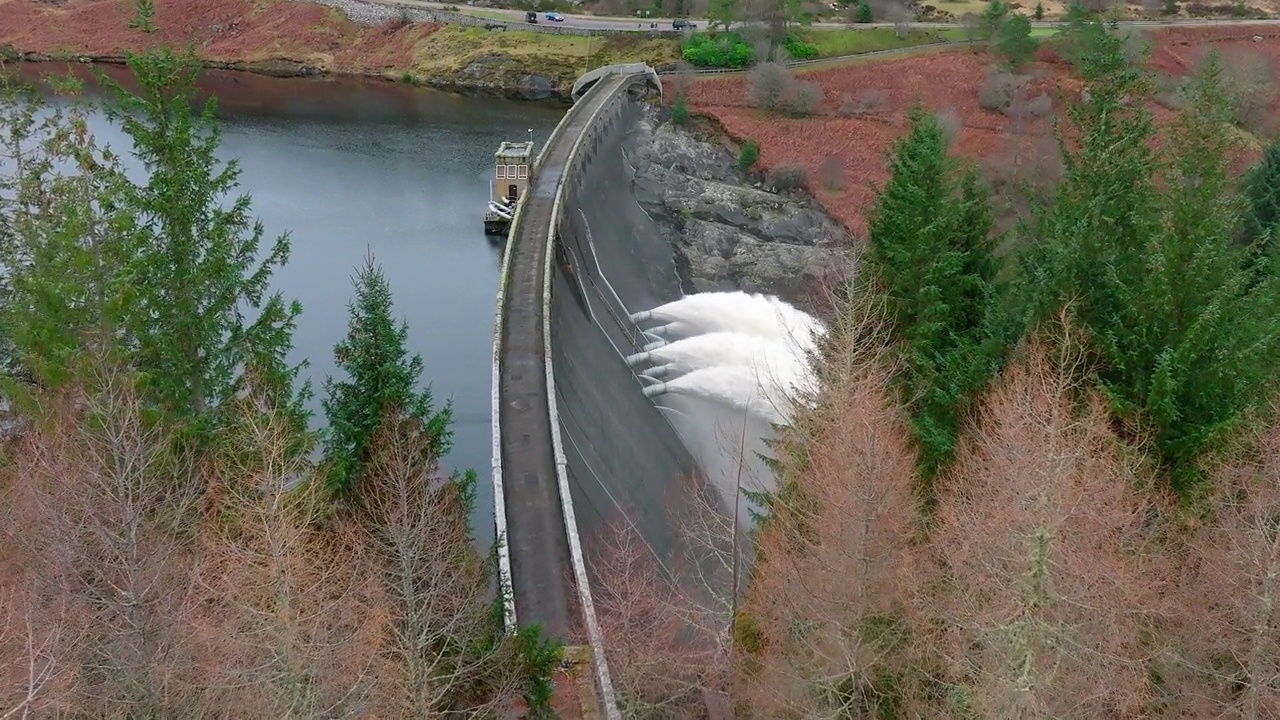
(524, 172)
(502, 172)
(511, 172)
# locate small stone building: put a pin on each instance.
(512, 173)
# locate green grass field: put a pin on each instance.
(962, 35)
(851, 41)
(487, 14)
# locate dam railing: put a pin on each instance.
(612, 87)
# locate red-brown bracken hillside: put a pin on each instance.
(882, 93)
(232, 31)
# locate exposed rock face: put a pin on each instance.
(728, 234)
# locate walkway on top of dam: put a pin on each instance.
(541, 570)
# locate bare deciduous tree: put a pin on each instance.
(445, 650)
(1230, 593)
(998, 89)
(774, 88)
(951, 123)
(901, 16)
(865, 102)
(658, 660)
(972, 25)
(1250, 79)
(292, 608)
(769, 86)
(828, 616)
(38, 641)
(112, 500)
(1038, 536)
(831, 172)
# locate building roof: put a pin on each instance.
(515, 149)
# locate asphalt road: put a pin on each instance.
(643, 25)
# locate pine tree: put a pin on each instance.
(58, 243)
(160, 267)
(1261, 189)
(204, 319)
(931, 257)
(994, 17)
(1015, 42)
(1185, 343)
(380, 385)
(864, 14)
(144, 13)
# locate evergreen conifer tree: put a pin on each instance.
(159, 267)
(1261, 189)
(1015, 42)
(1186, 344)
(930, 254)
(205, 319)
(381, 384)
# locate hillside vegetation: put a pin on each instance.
(294, 38)
(1041, 478)
(174, 541)
(997, 115)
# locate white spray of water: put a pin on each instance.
(735, 386)
(734, 364)
(752, 314)
(769, 358)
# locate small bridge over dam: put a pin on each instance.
(577, 447)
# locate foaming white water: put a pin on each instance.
(734, 364)
(753, 314)
(735, 386)
(769, 358)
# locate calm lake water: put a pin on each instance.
(353, 167)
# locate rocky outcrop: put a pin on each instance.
(728, 233)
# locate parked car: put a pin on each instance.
(495, 26)
(531, 17)
(682, 24)
(555, 17)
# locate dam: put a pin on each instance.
(577, 446)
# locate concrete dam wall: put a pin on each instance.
(625, 462)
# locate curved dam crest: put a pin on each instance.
(583, 459)
(578, 448)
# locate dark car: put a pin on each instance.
(495, 26)
(682, 24)
(555, 17)
(531, 17)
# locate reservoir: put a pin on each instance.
(351, 167)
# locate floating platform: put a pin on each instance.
(497, 218)
(496, 226)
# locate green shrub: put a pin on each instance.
(680, 110)
(749, 155)
(542, 655)
(717, 50)
(864, 13)
(798, 49)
